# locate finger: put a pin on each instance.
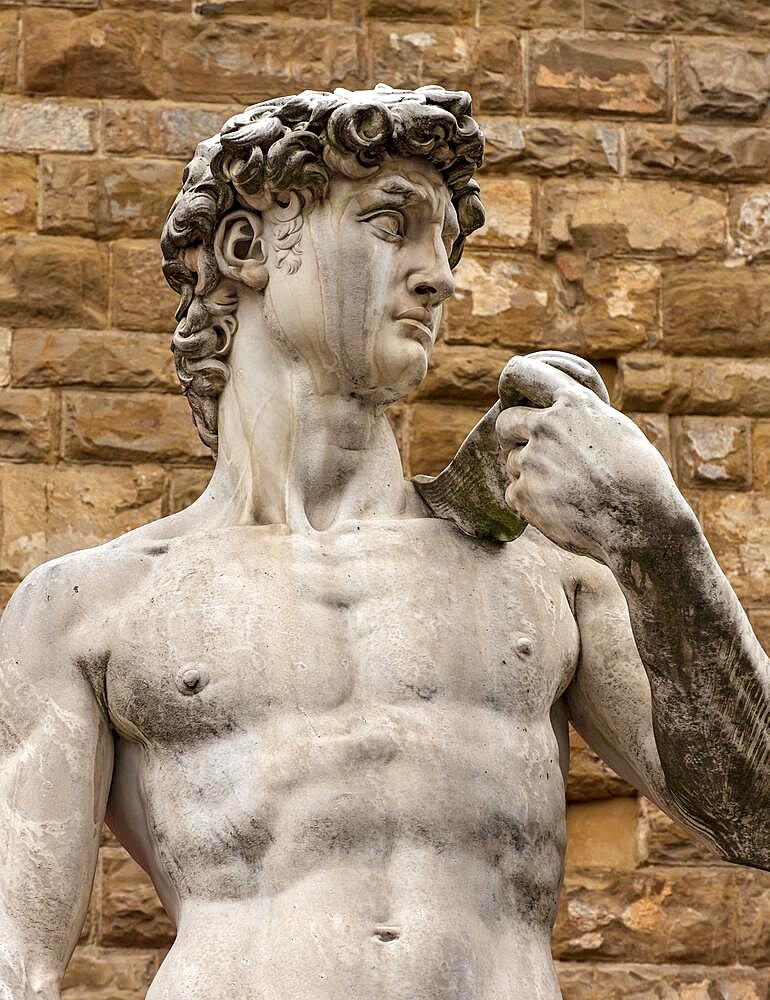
(513, 463)
(536, 381)
(514, 497)
(578, 368)
(514, 425)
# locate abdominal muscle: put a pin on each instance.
(404, 906)
(352, 933)
(356, 871)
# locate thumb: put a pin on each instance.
(527, 379)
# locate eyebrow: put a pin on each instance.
(402, 190)
(406, 193)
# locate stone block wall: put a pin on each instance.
(628, 192)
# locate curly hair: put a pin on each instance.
(279, 157)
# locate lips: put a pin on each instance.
(421, 321)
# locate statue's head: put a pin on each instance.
(337, 218)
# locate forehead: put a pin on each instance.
(410, 181)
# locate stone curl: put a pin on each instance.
(278, 158)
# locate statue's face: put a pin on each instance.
(364, 307)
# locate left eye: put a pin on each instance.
(389, 223)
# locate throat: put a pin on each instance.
(307, 461)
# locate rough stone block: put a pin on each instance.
(18, 192)
(26, 424)
(760, 448)
(436, 431)
(156, 6)
(546, 147)
(145, 128)
(97, 55)
(88, 505)
(590, 779)
(576, 980)
(80, 5)
(430, 11)
(656, 915)
(418, 54)
(100, 359)
(595, 307)
(723, 80)
(47, 126)
(250, 60)
(504, 300)
(656, 982)
(753, 919)
(5, 355)
(714, 451)
(598, 74)
(737, 526)
(608, 216)
(760, 621)
(140, 297)
(698, 152)
(50, 280)
(750, 222)
(712, 309)
(50, 510)
(693, 16)
(531, 13)
(603, 834)
(132, 915)
(499, 75)
(186, 486)
(106, 198)
(126, 427)
(9, 35)
(260, 8)
(653, 381)
(508, 204)
(101, 974)
(486, 63)
(606, 307)
(466, 374)
(663, 841)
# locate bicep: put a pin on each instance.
(609, 699)
(55, 770)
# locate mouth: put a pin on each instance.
(419, 323)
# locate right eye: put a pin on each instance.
(389, 225)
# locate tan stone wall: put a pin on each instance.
(628, 185)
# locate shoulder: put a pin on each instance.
(577, 574)
(64, 592)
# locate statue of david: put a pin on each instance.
(326, 708)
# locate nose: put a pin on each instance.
(432, 280)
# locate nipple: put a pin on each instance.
(191, 679)
(524, 646)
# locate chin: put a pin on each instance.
(402, 371)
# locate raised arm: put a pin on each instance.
(695, 732)
(55, 769)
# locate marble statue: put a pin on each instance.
(326, 709)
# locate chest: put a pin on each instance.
(237, 634)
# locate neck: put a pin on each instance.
(295, 450)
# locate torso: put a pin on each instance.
(339, 758)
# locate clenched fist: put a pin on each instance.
(580, 471)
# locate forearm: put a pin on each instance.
(710, 683)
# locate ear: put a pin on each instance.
(240, 250)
